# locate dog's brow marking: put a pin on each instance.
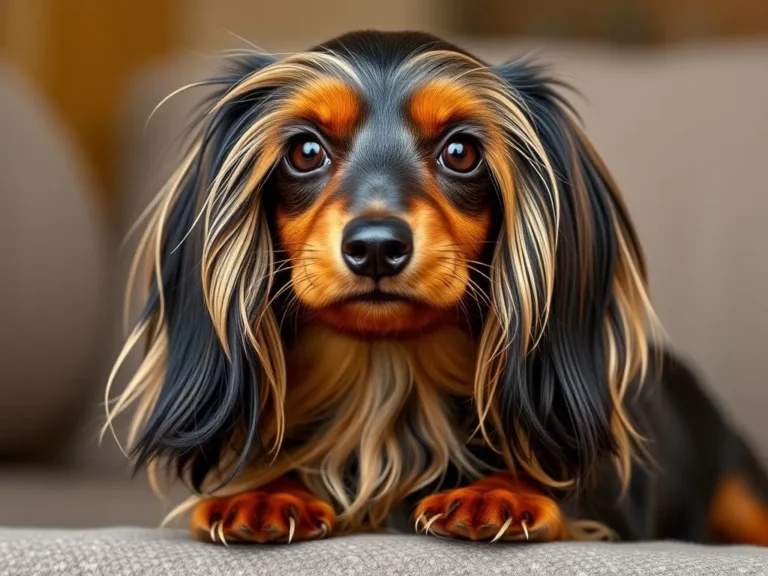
(329, 102)
(438, 102)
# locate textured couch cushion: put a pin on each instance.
(123, 551)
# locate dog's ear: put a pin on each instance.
(214, 356)
(569, 287)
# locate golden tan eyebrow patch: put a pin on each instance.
(439, 102)
(330, 103)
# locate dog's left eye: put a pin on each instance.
(460, 155)
(306, 155)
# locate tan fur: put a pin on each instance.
(356, 397)
(737, 514)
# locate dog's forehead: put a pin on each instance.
(382, 61)
(385, 93)
(402, 103)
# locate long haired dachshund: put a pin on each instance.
(390, 282)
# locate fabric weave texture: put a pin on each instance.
(134, 551)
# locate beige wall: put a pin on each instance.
(80, 55)
(210, 24)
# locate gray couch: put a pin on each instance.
(685, 133)
(126, 551)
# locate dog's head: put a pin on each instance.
(384, 185)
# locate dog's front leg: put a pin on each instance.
(282, 511)
(499, 507)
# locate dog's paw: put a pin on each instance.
(277, 514)
(491, 511)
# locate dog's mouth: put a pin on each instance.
(378, 313)
(376, 297)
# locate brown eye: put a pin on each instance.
(460, 156)
(306, 155)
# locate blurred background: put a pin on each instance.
(673, 94)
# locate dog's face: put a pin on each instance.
(383, 199)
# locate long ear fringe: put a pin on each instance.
(196, 388)
(569, 333)
(211, 387)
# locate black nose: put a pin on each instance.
(376, 247)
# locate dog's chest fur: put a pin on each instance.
(380, 414)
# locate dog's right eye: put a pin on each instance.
(306, 155)
(460, 155)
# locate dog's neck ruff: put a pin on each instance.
(375, 416)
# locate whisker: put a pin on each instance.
(476, 271)
(474, 290)
(283, 289)
(294, 303)
(285, 251)
(454, 261)
(479, 291)
(291, 307)
(459, 299)
(475, 294)
(276, 270)
(282, 268)
(479, 263)
(462, 304)
(453, 252)
(469, 243)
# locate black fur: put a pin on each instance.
(206, 397)
(559, 393)
(691, 449)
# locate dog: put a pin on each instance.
(392, 285)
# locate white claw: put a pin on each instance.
(220, 532)
(430, 522)
(502, 530)
(213, 532)
(291, 528)
(525, 529)
(324, 528)
(418, 521)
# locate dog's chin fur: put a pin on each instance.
(381, 414)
